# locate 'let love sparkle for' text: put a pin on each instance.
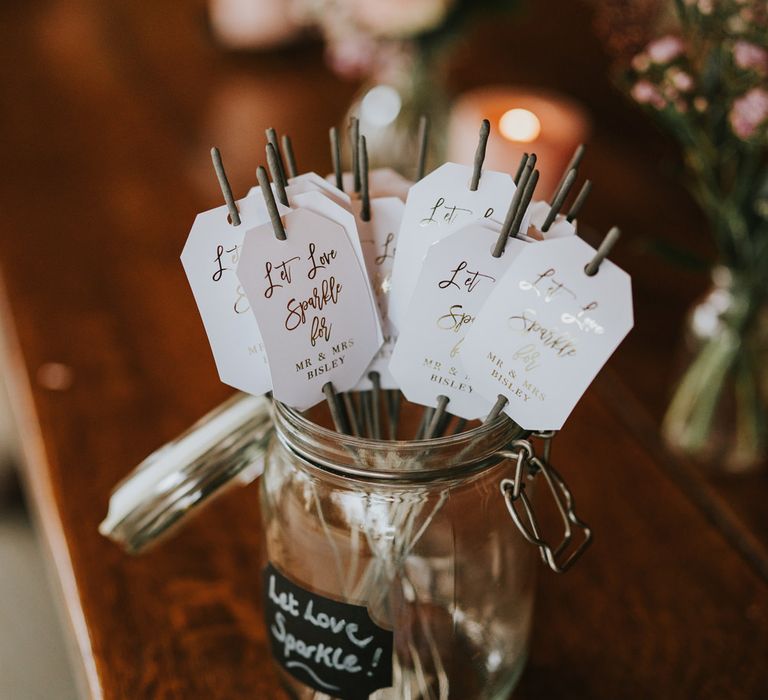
(299, 311)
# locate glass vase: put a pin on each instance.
(389, 106)
(717, 414)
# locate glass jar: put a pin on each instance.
(390, 105)
(718, 414)
(412, 536)
(393, 569)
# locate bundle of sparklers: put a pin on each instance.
(460, 290)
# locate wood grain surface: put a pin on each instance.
(109, 108)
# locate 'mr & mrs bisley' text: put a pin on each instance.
(311, 309)
(457, 321)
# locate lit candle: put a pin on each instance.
(522, 121)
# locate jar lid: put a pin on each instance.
(223, 448)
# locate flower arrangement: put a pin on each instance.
(398, 49)
(365, 36)
(705, 80)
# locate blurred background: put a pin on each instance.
(109, 112)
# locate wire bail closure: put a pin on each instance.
(527, 467)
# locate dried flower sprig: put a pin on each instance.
(707, 83)
(705, 80)
(364, 36)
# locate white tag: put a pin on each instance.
(318, 201)
(458, 274)
(312, 302)
(210, 257)
(546, 330)
(312, 182)
(320, 204)
(560, 227)
(382, 182)
(379, 239)
(438, 205)
(306, 182)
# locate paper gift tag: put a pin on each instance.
(311, 301)
(320, 204)
(379, 240)
(438, 205)
(382, 182)
(312, 182)
(560, 227)
(458, 274)
(317, 200)
(546, 330)
(210, 257)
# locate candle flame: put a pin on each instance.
(520, 125)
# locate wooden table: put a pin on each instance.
(109, 109)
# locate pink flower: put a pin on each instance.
(700, 104)
(750, 56)
(681, 80)
(665, 49)
(641, 62)
(749, 113)
(645, 92)
(352, 57)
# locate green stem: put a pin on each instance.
(750, 412)
(730, 359)
(688, 421)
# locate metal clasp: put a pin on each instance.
(528, 466)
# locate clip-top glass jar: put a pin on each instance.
(393, 569)
(409, 543)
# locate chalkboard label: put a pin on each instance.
(330, 646)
